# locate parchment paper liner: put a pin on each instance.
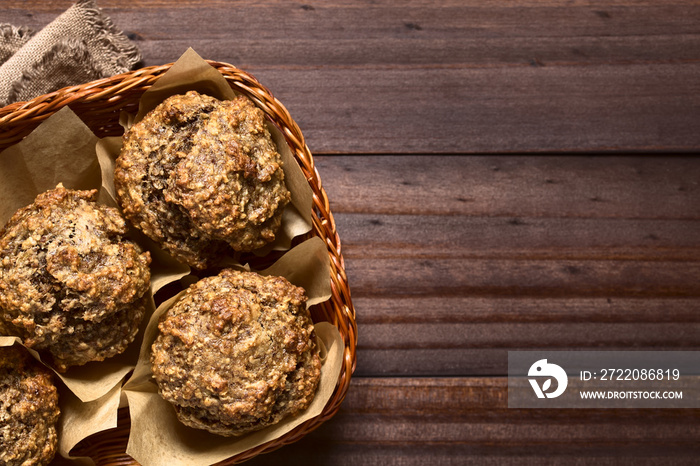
(158, 438)
(78, 419)
(191, 73)
(63, 150)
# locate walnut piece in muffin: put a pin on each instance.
(28, 409)
(202, 177)
(71, 285)
(237, 353)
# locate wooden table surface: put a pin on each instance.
(504, 175)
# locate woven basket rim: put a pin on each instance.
(99, 104)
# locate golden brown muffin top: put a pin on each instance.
(28, 409)
(71, 284)
(237, 353)
(202, 177)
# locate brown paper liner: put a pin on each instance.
(61, 150)
(64, 150)
(158, 438)
(78, 419)
(191, 73)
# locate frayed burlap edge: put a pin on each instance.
(35, 69)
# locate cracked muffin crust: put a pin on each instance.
(201, 177)
(71, 285)
(237, 353)
(28, 409)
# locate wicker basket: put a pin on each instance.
(99, 104)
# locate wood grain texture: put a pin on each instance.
(456, 260)
(471, 229)
(444, 77)
(646, 187)
(461, 421)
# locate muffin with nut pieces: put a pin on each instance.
(28, 409)
(202, 178)
(237, 353)
(72, 285)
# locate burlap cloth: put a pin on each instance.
(81, 45)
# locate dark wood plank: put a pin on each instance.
(523, 278)
(662, 188)
(636, 306)
(521, 237)
(453, 263)
(451, 421)
(483, 350)
(447, 77)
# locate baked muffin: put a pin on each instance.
(202, 177)
(28, 409)
(71, 285)
(237, 353)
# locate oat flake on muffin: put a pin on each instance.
(202, 177)
(71, 285)
(237, 353)
(28, 409)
